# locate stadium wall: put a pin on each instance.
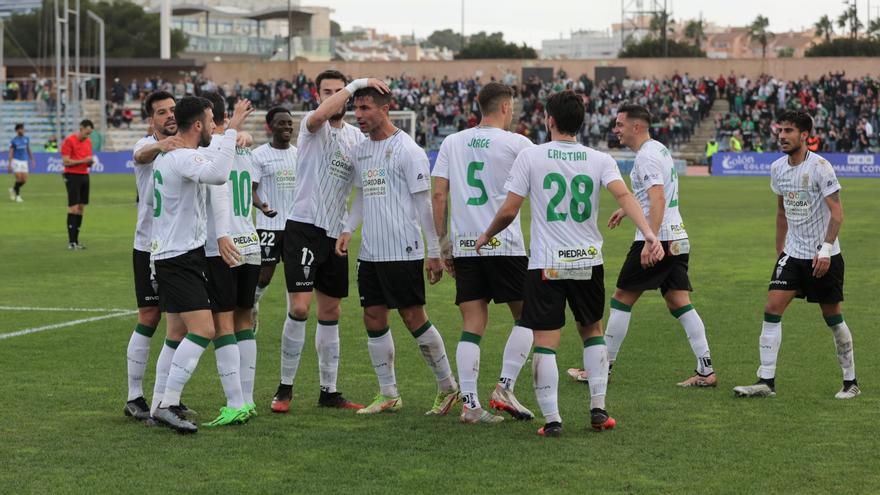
(784, 68)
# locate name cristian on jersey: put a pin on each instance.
(568, 156)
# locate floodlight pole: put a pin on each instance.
(57, 75)
(76, 67)
(102, 62)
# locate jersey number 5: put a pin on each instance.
(579, 207)
(473, 181)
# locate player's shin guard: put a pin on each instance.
(618, 325)
(545, 378)
(771, 339)
(293, 338)
(327, 346)
(247, 352)
(467, 359)
(228, 362)
(138, 354)
(516, 352)
(696, 334)
(380, 346)
(163, 366)
(183, 364)
(433, 350)
(844, 344)
(596, 365)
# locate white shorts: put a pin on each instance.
(19, 166)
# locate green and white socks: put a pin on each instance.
(768, 345)
(516, 352)
(545, 379)
(228, 362)
(183, 364)
(696, 334)
(467, 359)
(247, 351)
(596, 365)
(138, 354)
(844, 345)
(380, 346)
(293, 338)
(163, 366)
(327, 346)
(434, 351)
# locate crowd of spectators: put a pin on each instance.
(845, 111)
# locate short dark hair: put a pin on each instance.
(19, 126)
(637, 112)
(567, 109)
(330, 74)
(799, 118)
(274, 110)
(154, 97)
(86, 123)
(190, 109)
(378, 98)
(218, 106)
(492, 95)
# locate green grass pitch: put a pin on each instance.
(62, 390)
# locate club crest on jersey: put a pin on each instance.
(388, 154)
(574, 254)
(805, 180)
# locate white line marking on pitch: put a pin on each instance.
(87, 310)
(27, 331)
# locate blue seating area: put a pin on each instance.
(38, 126)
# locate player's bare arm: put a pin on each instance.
(261, 205)
(781, 226)
(148, 153)
(440, 200)
(822, 259)
(506, 214)
(334, 104)
(653, 250)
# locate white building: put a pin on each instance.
(582, 45)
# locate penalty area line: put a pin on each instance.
(71, 323)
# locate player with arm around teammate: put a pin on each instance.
(393, 200)
(178, 240)
(562, 180)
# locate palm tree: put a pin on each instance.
(850, 16)
(661, 23)
(694, 30)
(874, 28)
(758, 32)
(825, 27)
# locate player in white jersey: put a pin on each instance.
(655, 185)
(473, 166)
(162, 139)
(178, 239)
(232, 249)
(393, 200)
(562, 180)
(808, 219)
(274, 178)
(320, 194)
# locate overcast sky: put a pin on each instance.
(531, 21)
